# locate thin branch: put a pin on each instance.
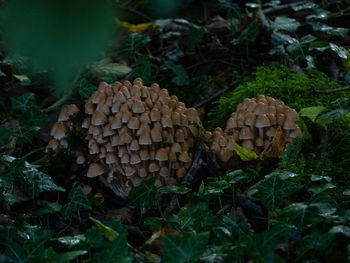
(333, 90)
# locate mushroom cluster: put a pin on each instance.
(135, 133)
(253, 126)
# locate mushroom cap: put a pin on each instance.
(246, 133)
(162, 154)
(94, 170)
(58, 130)
(262, 121)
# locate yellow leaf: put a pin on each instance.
(139, 28)
(277, 145)
(108, 232)
(244, 154)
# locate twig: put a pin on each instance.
(58, 103)
(333, 90)
(211, 97)
(281, 7)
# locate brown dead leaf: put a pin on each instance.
(276, 148)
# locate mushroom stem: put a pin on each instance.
(261, 132)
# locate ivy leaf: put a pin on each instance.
(260, 247)
(273, 190)
(34, 182)
(49, 208)
(142, 68)
(345, 230)
(249, 34)
(33, 117)
(78, 202)
(285, 23)
(318, 240)
(24, 80)
(173, 189)
(144, 194)
(186, 247)
(108, 232)
(244, 154)
(23, 103)
(335, 31)
(300, 215)
(133, 43)
(334, 111)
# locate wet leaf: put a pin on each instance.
(78, 202)
(133, 43)
(23, 103)
(142, 69)
(249, 34)
(186, 247)
(71, 241)
(24, 80)
(285, 23)
(108, 232)
(143, 195)
(273, 190)
(345, 230)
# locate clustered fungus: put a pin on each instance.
(134, 133)
(253, 126)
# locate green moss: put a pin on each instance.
(279, 82)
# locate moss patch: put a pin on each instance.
(278, 81)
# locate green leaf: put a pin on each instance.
(195, 216)
(175, 55)
(249, 34)
(195, 38)
(244, 154)
(320, 188)
(311, 112)
(142, 68)
(334, 31)
(144, 194)
(286, 24)
(114, 251)
(33, 117)
(186, 247)
(49, 208)
(337, 109)
(34, 182)
(260, 247)
(340, 51)
(273, 190)
(173, 189)
(152, 222)
(71, 241)
(180, 75)
(23, 103)
(78, 202)
(108, 232)
(318, 240)
(300, 215)
(65, 257)
(85, 88)
(133, 43)
(235, 176)
(216, 187)
(345, 230)
(24, 80)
